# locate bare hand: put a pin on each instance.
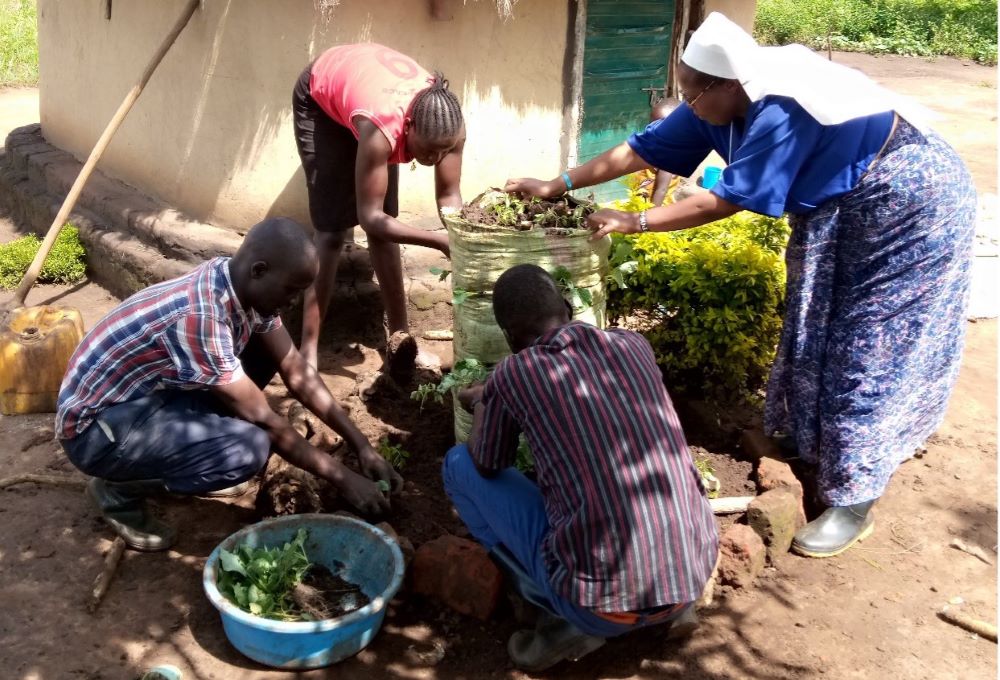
(378, 468)
(534, 187)
(363, 494)
(605, 221)
(440, 239)
(467, 396)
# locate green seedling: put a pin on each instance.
(708, 480)
(565, 280)
(508, 211)
(395, 454)
(261, 580)
(442, 274)
(466, 372)
(523, 460)
(458, 296)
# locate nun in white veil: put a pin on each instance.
(883, 217)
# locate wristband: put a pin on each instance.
(566, 179)
(474, 403)
(643, 226)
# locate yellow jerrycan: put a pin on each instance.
(35, 347)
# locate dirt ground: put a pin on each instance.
(871, 612)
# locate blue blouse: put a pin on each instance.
(780, 159)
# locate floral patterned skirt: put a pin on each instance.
(878, 285)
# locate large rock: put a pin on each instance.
(459, 573)
(774, 474)
(776, 515)
(741, 556)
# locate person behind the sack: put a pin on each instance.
(657, 186)
(359, 111)
(617, 534)
(164, 393)
(879, 261)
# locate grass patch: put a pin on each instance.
(925, 28)
(66, 262)
(18, 43)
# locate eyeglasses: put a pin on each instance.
(698, 96)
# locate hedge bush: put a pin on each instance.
(709, 300)
(66, 262)
(960, 28)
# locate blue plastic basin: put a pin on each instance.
(373, 561)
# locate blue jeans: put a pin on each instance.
(508, 510)
(186, 438)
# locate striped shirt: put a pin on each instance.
(630, 527)
(186, 333)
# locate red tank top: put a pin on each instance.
(372, 81)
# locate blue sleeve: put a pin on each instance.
(778, 141)
(677, 143)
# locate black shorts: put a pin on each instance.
(328, 151)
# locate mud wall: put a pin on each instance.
(212, 133)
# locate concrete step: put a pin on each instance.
(132, 239)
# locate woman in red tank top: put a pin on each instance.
(359, 111)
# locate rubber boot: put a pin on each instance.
(123, 506)
(836, 530)
(553, 640)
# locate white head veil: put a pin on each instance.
(829, 92)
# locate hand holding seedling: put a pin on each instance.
(606, 220)
(362, 493)
(376, 467)
(529, 186)
(468, 396)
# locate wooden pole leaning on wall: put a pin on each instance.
(74, 193)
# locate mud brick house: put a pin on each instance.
(544, 85)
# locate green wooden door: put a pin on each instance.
(627, 48)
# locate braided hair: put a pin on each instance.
(436, 114)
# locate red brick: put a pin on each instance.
(459, 573)
(776, 515)
(741, 556)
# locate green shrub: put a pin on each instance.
(18, 43)
(66, 262)
(709, 300)
(960, 28)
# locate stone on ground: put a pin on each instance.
(776, 515)
(741, 556)
(459, 573)
(774, 474)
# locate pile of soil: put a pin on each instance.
(325, 595)
(559, 214)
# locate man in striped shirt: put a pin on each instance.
(617, 533)
(164, 393)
